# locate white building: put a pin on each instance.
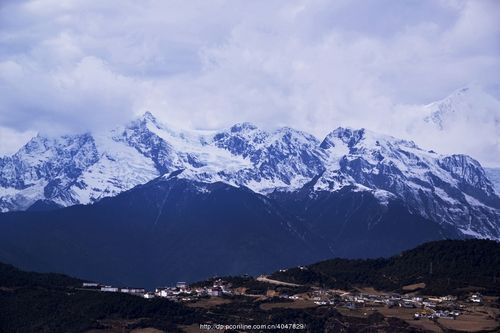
(149, 295)
(133, 290)
(476, 298)
(215, 291)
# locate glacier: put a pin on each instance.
(84, 168)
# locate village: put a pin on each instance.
(182, 292)
(359, 302)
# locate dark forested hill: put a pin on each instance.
(448, 266)
(46, 302)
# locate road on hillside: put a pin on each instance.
(264, 278)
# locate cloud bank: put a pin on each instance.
(314, 65)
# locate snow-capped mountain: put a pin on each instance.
(465, 105)
(451, 190)
(493, 175)
(85, 168)
(71, 170)
(466, 121)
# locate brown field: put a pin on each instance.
(401, 313)
(370, 290)
(360, 313)
(208, 302)
(297, 304)
(478, 319)
(481, 319)
(195, 328)
(120, 326)
(407, 315)
(413, 287)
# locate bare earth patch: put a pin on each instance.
(208, 302)
(473, 320)
(413, 287)
(482, 319)
(298, 304)
(370, 291)
(195, 328)
(146, 330)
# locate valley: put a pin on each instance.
(225, 303)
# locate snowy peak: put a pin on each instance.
(451, 189)
(467, 103)
(46, 158)
(85, 168)
(147, 119)
(347, 135)
(467, 171)
(243, 127)
(242, 139)
(148, 116)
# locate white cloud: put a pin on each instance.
(78, 97)
(11, 140)
(314, 65)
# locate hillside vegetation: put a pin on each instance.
(446, 267)
(46, 302)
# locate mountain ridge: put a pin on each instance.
(83, 169)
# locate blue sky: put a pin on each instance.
(81, 65)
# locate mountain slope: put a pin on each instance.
(446, 189)
(493, 174)
(451, 190)
(167, 230)
(174, 228)
(354, 224)
(447, 266)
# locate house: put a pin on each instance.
(163, 292)
(215, 292)
(444, 314)
(137, 290)
(429, 304)
(476, 298)
(91, 285)
(390, 303)
(109, 289)
(133, 290)
(149, 295)
(407, 305)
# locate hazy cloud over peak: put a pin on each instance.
(315, 65)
